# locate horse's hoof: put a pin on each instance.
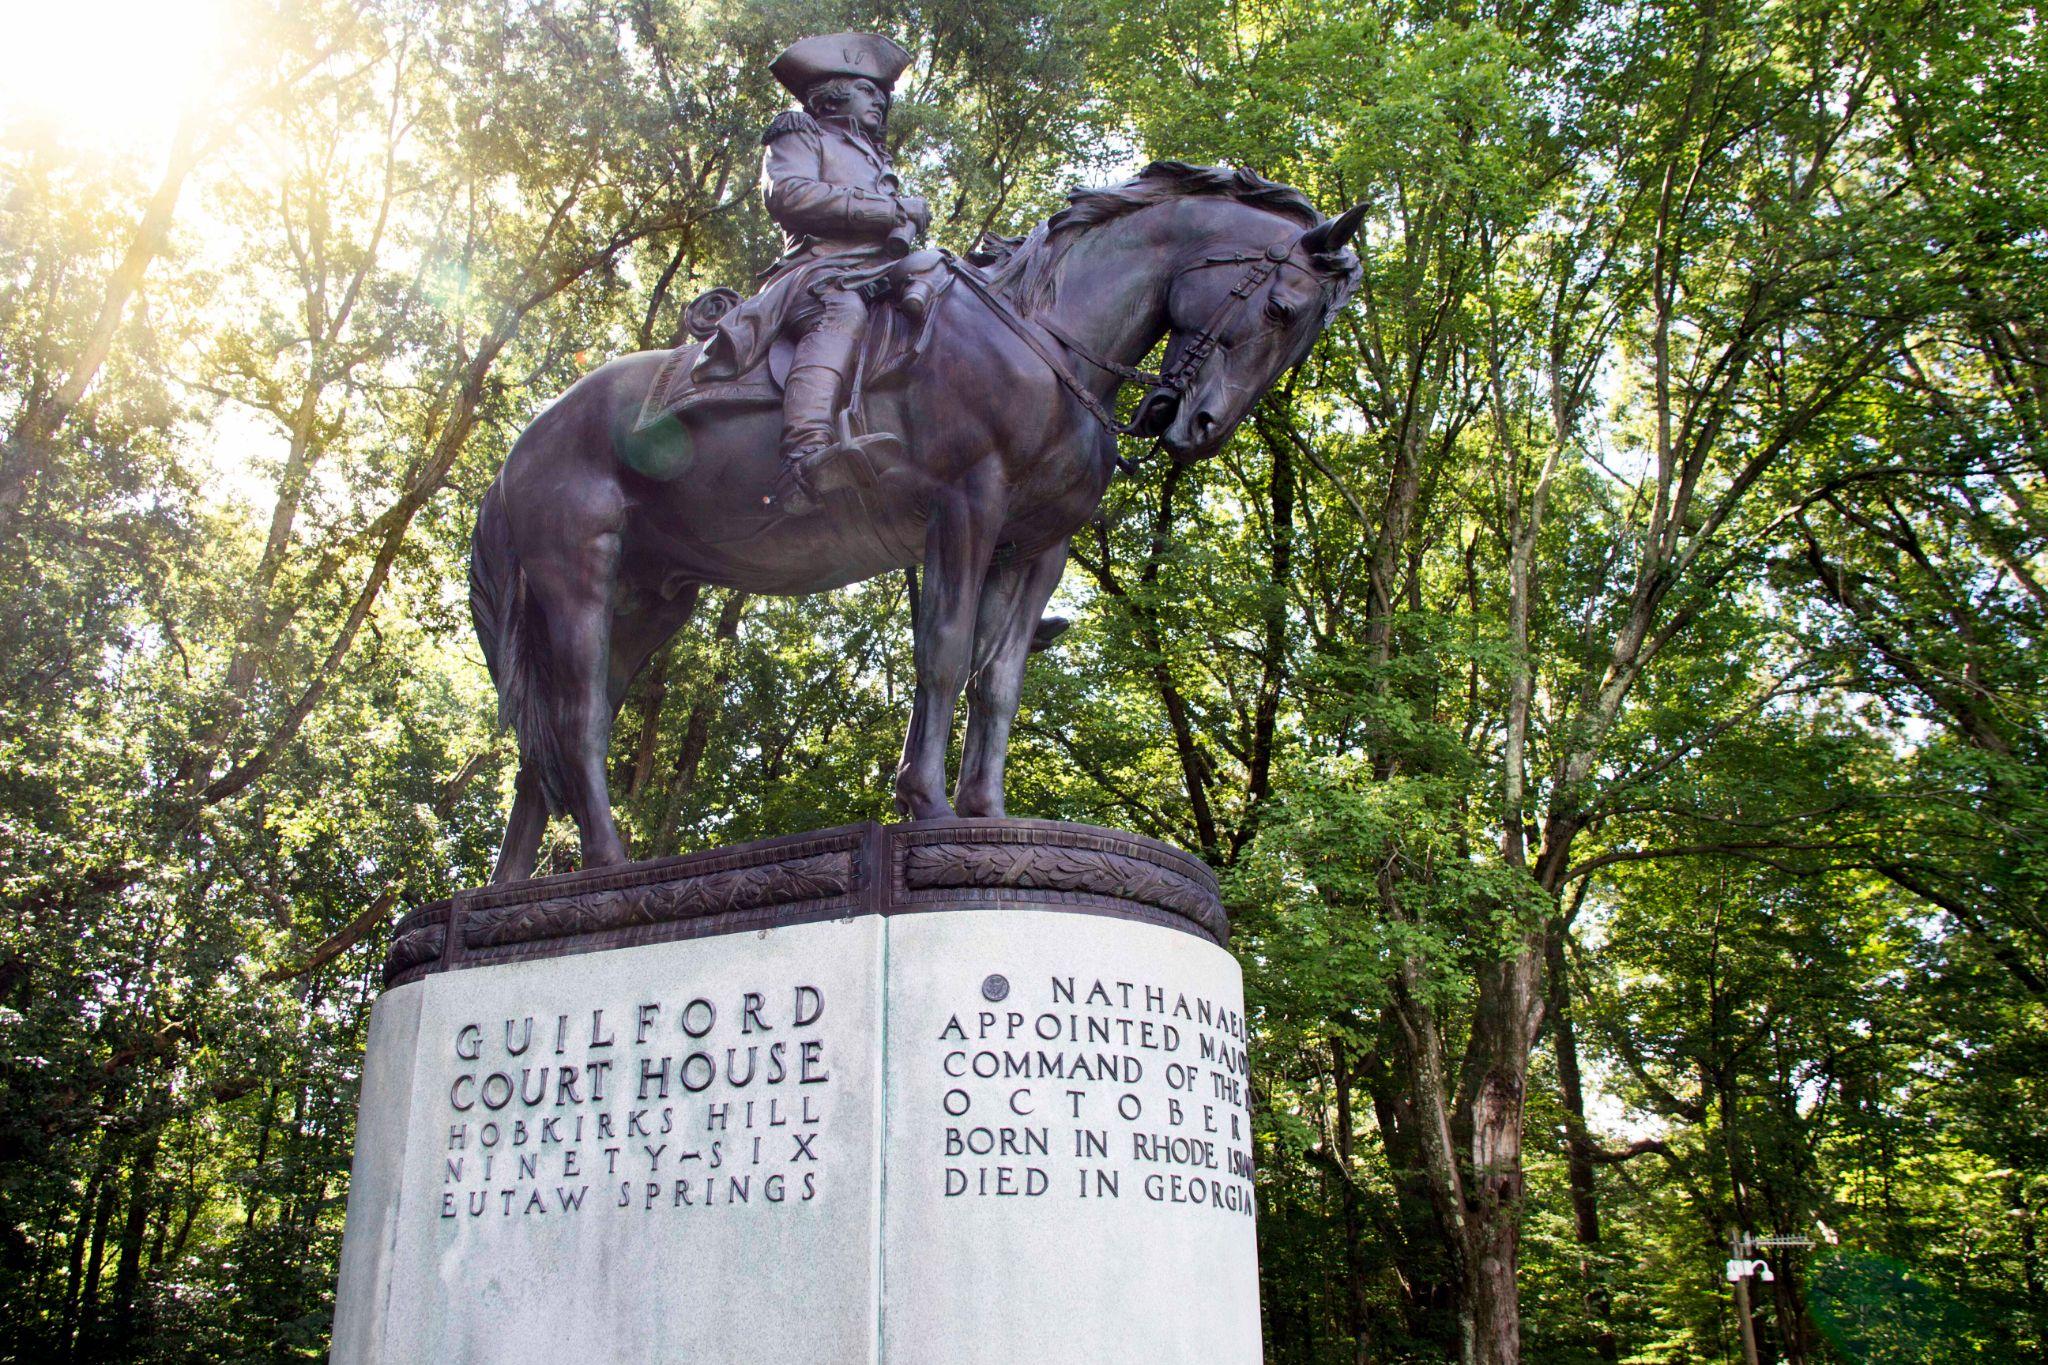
(914, 810)
(976, 808)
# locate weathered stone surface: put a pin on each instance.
(977, 1095)
(608, 1221)
(1105, 868)
(383, 1126)
(790, 881)
(1069, 1167)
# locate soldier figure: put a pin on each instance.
(833, 191)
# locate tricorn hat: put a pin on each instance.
(810, 60)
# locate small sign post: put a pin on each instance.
(1743, 1262)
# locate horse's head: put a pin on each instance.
(1240, 316)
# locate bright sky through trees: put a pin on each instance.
(1610, 677)
(116, 73)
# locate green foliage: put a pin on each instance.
(1875, 1311)
(245, 722)
(1607, 675)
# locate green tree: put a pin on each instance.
(1606, 672)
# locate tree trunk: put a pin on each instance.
(128, 1269)
(86, 1344)
(74, 1279)
(1272, 654)
(1415, 1242)
(1491, 1308)
(160, 1237)
(653, 692)
(1578, 1145)
(1356, 1303)
(1493, 1312)
(2030, 1247)
(1788, 1308)
(697, 734)
(263, 1128)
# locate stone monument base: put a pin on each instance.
(965, 1090)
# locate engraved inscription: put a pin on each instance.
(1087, 1088)
(687, 1103)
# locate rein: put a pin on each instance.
(1030, 338)
(1178, 378)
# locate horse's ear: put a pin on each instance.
(1335, 233)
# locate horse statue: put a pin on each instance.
(599, 532)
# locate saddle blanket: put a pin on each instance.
(673, 392)
(890, 345)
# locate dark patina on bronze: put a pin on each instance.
(863, 869)
(595, 542)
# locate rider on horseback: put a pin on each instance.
(833, 191)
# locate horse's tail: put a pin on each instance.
(514, 637)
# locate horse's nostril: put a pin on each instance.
(1205, 422)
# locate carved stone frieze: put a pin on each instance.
(958, 865)
(858, 869)
(819, 877)
(414, 948)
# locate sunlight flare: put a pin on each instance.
(113, 72)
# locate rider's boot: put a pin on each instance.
(810, 394)
(812, 447)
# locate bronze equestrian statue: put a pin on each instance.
(992, 391)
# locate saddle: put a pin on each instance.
(891, 343)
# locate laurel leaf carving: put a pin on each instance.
(818, 877)
(1055, 867)
(1022, 863)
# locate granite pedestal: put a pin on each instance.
(966, 1090)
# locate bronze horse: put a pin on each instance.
(581, 566)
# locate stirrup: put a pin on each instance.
(1048, 629)
(849, 461)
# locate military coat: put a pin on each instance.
(836, 198)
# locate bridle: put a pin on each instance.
(1179, 377)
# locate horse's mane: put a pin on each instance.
(1030, 273)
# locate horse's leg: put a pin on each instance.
(957, 547)
(523, 829)
(573, 587)
(636, 637)
(634, 640)
(1003, 628)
